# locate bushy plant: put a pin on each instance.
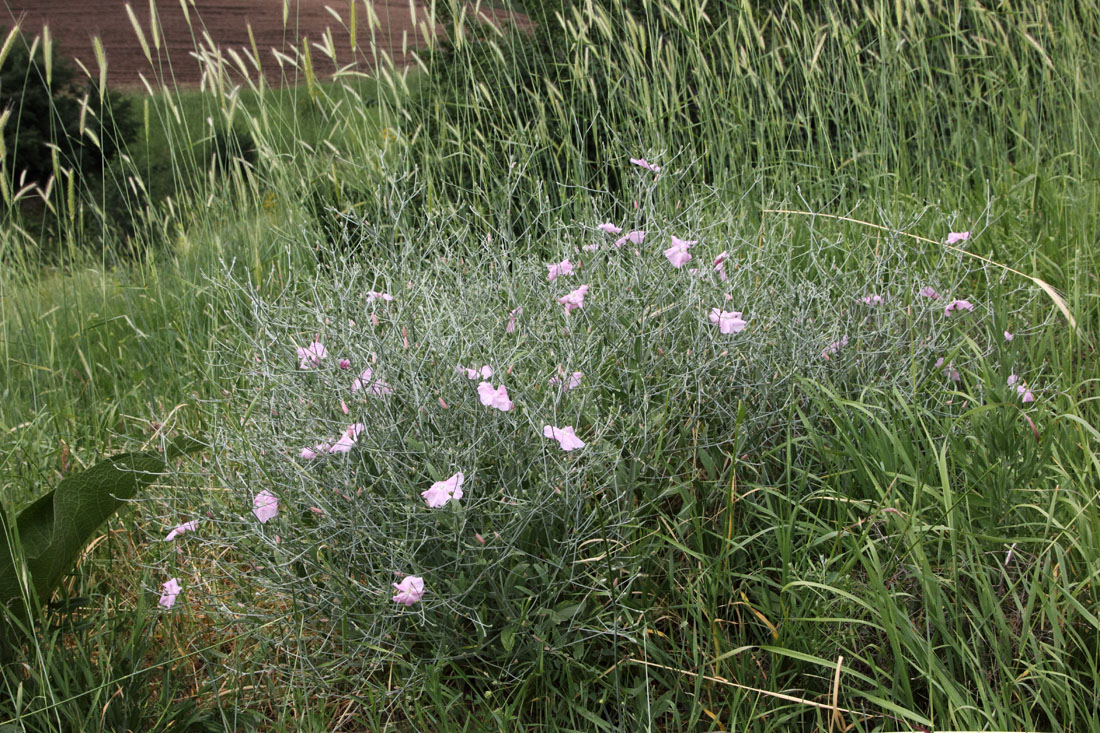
(371, 391)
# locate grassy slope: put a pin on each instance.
(873, 537)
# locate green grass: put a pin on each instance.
(947, 552)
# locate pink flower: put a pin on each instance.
(1024, 394)
(347, 440)
(310, 356)
(1009, 336)
(573, 382)
(511, 327)
(484, 372)
(720, 265)
(929, 292)
(344, 364)
(310, 453)
(265, 506)
(609, 228)
(590, 247)
(872, 300)
(835, 346)
(1012, 379)
(727, 321)
(642, 162)
(565, 267)
(956, 237)
(949, 370)
(677, 254)
(574, 299)
(566, 438)
(410, 590)
(635, 237)
(958, 305)
(497, 398)
(185, 527)
(443, 491)
(172, 589)
(377, 387)
(375, 295)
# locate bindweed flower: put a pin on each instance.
(678, 254)
(572, 382)
(643, 163)
(872, 300)
(443, 491)
(497, 398)
(1009, 336)
(566, 438)
(590, 247)
(348, 439)
(1024, 394)
(929, 292)
(344, 364)
(1012, 379)
(309, 357)
(635, 237)
(409, 591)
(727, 321)
(956, 237)
(949, 370)
(574, 299)
(375, 387)
(720, 265)
(609, 228)
(957, 305)
(565, 267)
(265, 506)
(511, 327)
(171, 589)
(375, 295)
(181, 529)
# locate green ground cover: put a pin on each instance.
(756, 536)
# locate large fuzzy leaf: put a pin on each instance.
(52, 532)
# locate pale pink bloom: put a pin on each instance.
(376, 387)
(484, 372)
(310, 453)
(511, 327)
(958, 305)
(677, 254)
(1009, 336)
(609, 228)
(171, 589)
(265, 506)
(574, 299)
(410, 590)
(635, 237)
(929, 292)
(375, 295)
(310, 356)
(956, 237)
(348, 439)
(727, 321)
(185, 527)
(1024, 394)
(344, 364)
(643, 163)
(590, 247)
(949, 370)
(720, 265)
(497, 398)
(1012, 379)
(573, 382)
(565, 267)
(479, 538)
(835, 346)
(566, 438)
(443, 491)
(872, 300)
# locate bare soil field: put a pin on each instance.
(225, 24)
